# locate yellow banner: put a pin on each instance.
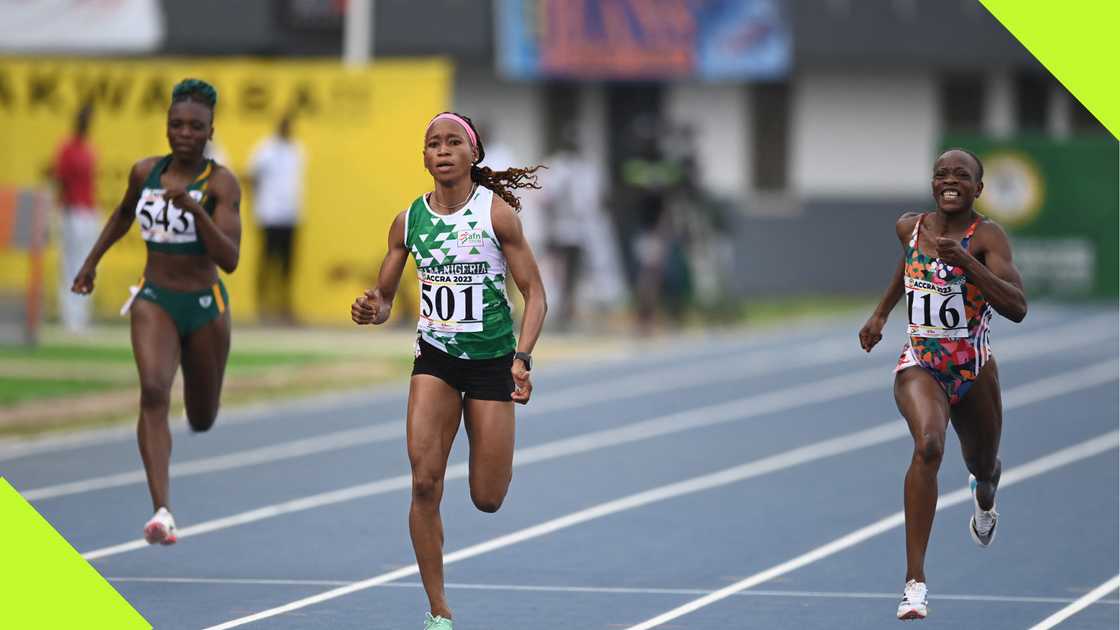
(361, 131)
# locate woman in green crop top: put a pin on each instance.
(188, 210)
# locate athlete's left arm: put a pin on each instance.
(221, 234)
(523, 268)
(997, 277)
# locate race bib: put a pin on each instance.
(935, 310)
(451, 303)
(162, 222)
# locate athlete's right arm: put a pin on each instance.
(375, 305)
(872, 331)
(117, 226)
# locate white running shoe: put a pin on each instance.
(913, 604)
(160, 528)
(982, 525)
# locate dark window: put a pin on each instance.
(962, 103)
(561, 112)
(1084, 122)
(1032, 101)
(312, 15)
(770, 104)
(633, 112)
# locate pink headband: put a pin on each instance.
(458, 119)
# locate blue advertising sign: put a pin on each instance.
(643, 39)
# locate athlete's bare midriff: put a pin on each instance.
(180, 272)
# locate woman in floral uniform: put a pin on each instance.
(955, 270)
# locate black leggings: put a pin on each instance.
(278, 246)
(275, 269)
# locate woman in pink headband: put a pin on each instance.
(466, 239)
(500, 182)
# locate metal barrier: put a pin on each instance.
(23, 237)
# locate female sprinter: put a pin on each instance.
(188, 208)
(464, 236)
(956, 268)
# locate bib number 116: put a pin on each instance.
(934, 310)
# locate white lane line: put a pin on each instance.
(1084, 450)
(752, 406)
(822, 391)
(14, 448)
(569, 398)
(755, 468)
(689, 349)
(237, 459)
(685, 348)
(734, 474)
(610, 590)
(1082, 603)
(817, 353)
(633, 386)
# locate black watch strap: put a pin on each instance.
(526, 358)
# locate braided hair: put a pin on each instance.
(195, 90)
(501, 182)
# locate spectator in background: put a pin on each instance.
(215, 151)
(276, 171)
(697, 276)
(577, 236)
(499, 156)
(649, 178)
(72, 170)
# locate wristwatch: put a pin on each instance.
(526, 358)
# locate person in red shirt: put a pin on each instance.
(72, 170)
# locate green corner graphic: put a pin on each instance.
(45, 582)
(1076, 42)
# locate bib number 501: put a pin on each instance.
(450, 304)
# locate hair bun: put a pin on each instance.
(195, 90)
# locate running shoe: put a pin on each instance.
(913, 604)
(982, 525)
(160, 528)
(436, 623)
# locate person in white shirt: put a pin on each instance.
(276, 172)
(579, 238)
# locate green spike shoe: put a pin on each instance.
(436, 623)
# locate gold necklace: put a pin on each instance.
(432, 198)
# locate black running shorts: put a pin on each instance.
(480, 379)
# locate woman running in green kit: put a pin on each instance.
(188, 210)
(466, 239)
